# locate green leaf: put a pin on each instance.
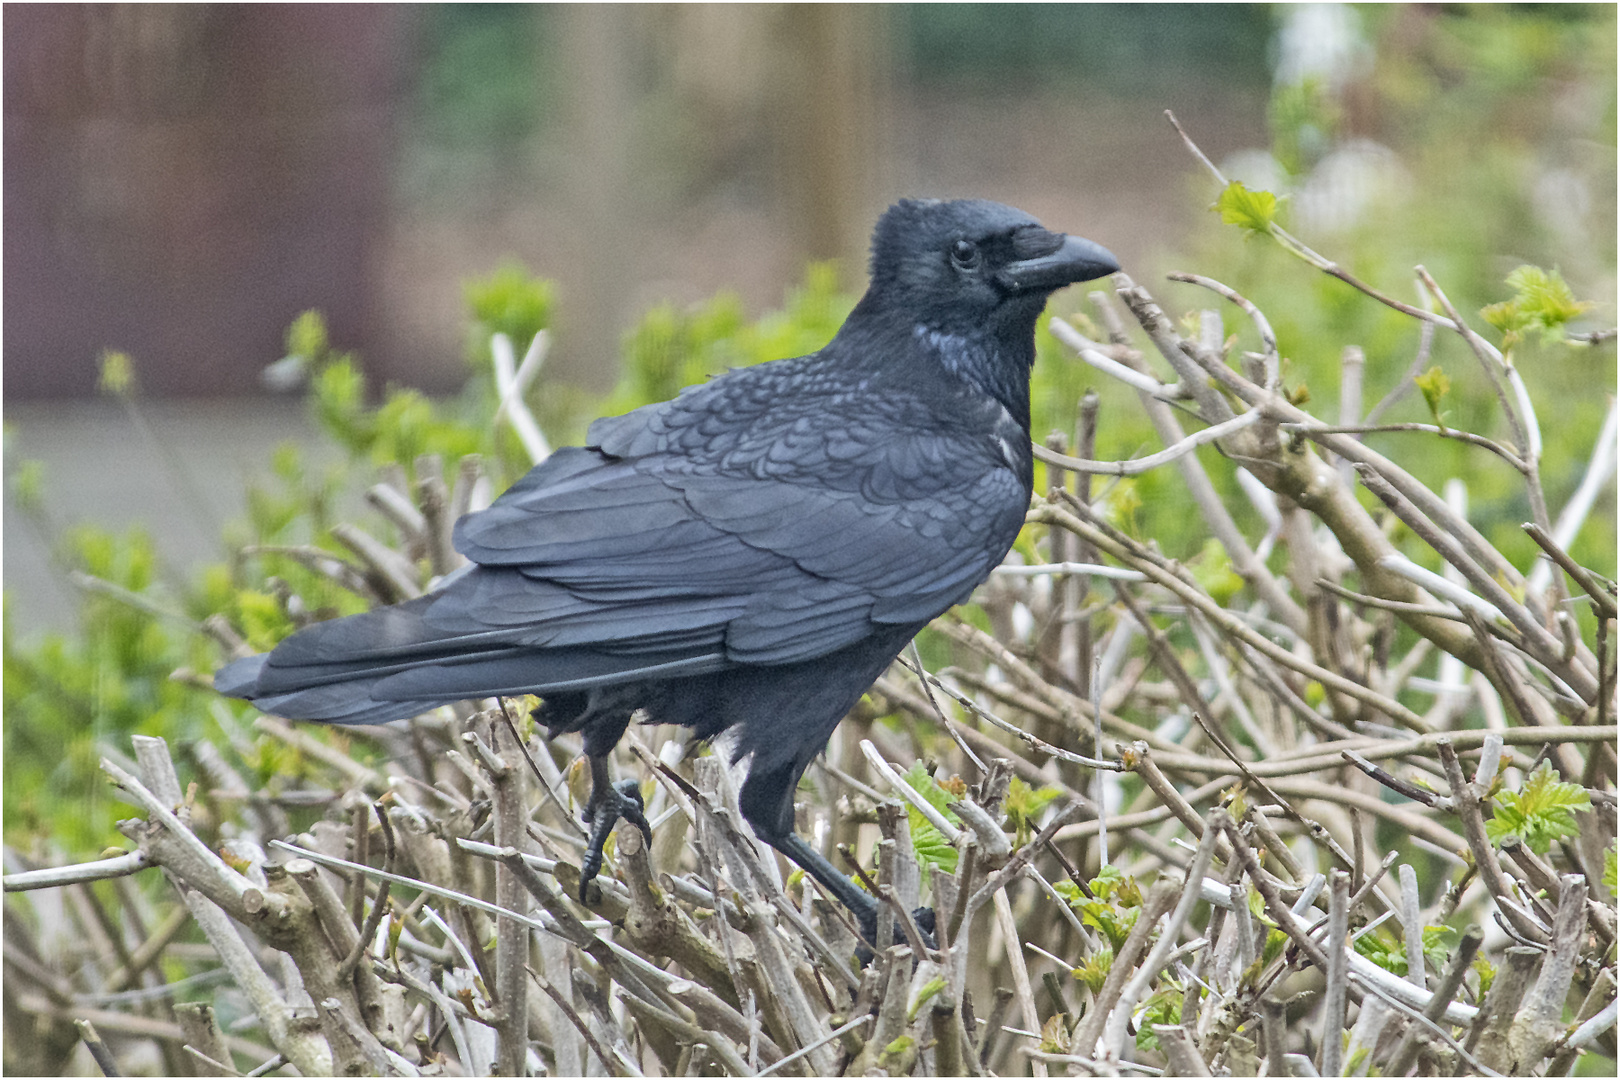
(1163, 1006)
(1543, 812)
(1507, 317)
(1212, 569)
(1542, 301)
(337, 395)
(28, 486)
(898, 1047)
(1276, 941)
(929, 989)
(932, 847)
(263, 622)
(306, 337)
(1112, 908)
(1545, 299)
(510, 301)
(1609, 859)
(1122, 504)
(117, 373)
(1435, 386)
(1251, 210)
(1487, 975)
(1438, 942)
(1110, 880)
(1023, 804)
(1096, 967)
(1375, 947)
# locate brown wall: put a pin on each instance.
(180, 181)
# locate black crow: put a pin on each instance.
(749, 556)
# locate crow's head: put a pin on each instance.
(961, 284)
(969, 266)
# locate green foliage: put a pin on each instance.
(1383, 951)
(1254, 211)
(1609, 861)
(896, 1049)
(676, 347)
(1094, 971)
(932, 848)
(1212, 569)
(68, 695)
(1543, 812)
(1304, 119)
(510, 301)
(26, 486)
(1112, 908)
(1163, 1006)
(117, 374)
(306, 336)
(1438, 942)
(1276, 942)
(929, 991)
(1023, 805)
(1112, 883)
(407, 424)
(1485, 971)
(1389, 952)
(1434, 386)
(1542, 301)
(1462, 97)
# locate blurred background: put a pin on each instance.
(181, 182)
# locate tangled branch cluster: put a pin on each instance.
(1256, 757)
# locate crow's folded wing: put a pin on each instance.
(654, 550)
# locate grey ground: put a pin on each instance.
(100, 469)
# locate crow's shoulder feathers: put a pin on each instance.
(830, 507)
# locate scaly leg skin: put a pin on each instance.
(860, 903)
(609, 803)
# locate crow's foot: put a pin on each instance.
(866, 920)
(609, 803)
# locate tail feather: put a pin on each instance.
(355, 679)
(348, 702)
(492, 632)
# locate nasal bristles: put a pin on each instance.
(1032, 241)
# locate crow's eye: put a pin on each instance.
(965, 254)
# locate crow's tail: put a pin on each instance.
(346, 702)
(397, 662)
(334, 672)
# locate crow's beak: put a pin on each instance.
(1077, 259)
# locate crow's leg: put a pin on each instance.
(862, 904)
(602, 721)
(767, 803)
(609, 803)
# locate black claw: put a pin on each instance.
(606, 808)
(633, 809)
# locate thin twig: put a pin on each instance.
(1138, 466)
